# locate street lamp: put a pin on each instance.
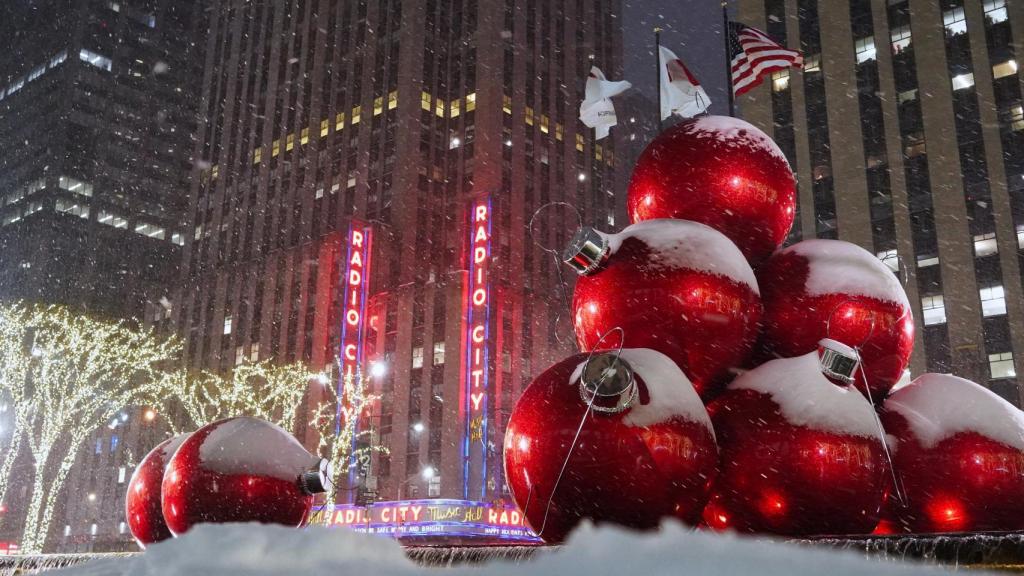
(378, 369)
(417, 427)
(428, 472)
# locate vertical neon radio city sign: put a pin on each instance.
(476, 347)
(354, 286)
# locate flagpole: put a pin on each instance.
(657, 67)
(728, 61)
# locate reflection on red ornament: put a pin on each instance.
(646, 452)
(718, 171)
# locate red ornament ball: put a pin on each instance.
(799, 455)
(674, 286)
(646, 450)
(241, 470)
(819, 289)
(718, 171)
(959, 457)
(142, 502)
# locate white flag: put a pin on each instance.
(680, 91)
(597, 110)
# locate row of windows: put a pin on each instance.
(993, 303)
(36, 73)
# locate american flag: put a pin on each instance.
(752, 55)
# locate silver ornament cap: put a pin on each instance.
(586, 251)
(317, 479)
(608, 383)
(838, 361)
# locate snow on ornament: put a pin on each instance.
(643, 452)
(142, 501)
(958, 454)
(722, 172)
(674, 286)
(832, 289)
(241, 470)
(799, 455)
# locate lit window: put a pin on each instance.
(954, 21)
(900, 39)
(985, 245)
(425, 101)
(113, 442)
(865, 49)
(67, 530)
(1017, 118)
(257, 155)
(579, 142)
(962, 81)
(304, 136)
(177, 238)
(544, 124)
(506, 104)
(99, 446)
(993, 301)
(319, 193)
(378, 105)
(780, 80)
(812, 63)
(529, 116)
(455, 108)
(357, 113)
(77, 186)
(1004, 69)
(56, 60)
(439, 108)
(339, 121)
(434, 487)
(227, 324)
(95, 59)
(470, 102)
(890, 258)
(417, 357)
(121, 474)
(611, 220)
(325, 127)
(72, 208)
(254, 352)
(392, 99)
(907, 96)
(933, 309)
(289, 142)
(122, 527)
(275, 148)
(92, 529)
(36, 72)
(1020, 236)
(995, 11)
(1001, 365)
(438, 353)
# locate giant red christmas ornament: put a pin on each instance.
(142, 502)
(645, 451)
(958, 457)
(722, 172)
(819, 289)
(241, 470)
(674, 286)
(799, 454)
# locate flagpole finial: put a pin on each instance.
(658, 29)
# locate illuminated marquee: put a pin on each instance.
(437, 518)
(476, 347)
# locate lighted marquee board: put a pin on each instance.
(438, 518)
(476, 347)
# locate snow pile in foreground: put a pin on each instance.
(256, 550)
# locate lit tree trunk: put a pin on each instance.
(29, 545)
(8, 463)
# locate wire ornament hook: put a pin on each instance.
(554, 252)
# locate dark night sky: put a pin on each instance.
(692, 29)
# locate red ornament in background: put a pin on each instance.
(674, 286)
(142, 502)
(722, 172)
(959, 457)
(241, 470)
(645, 452)
(799, 455)
(819, 289)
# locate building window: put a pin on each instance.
(227, 325)
(122, 527)
(111, 219)
(995, 11)
(438, 353)
(434, 487)
(417, 357)
(113, 442)
(1004, 69)
(122, 472)
(1017, 118)
(1001, 365)
(954, 21)
(780, 80)
(254, 352)
(907, 96)
(92, 529)
(993, 301)
(95, 59)
(812, 63)
(1020, 236)
(865, 48)
(900, 39)
(67, 530)
(933, 309)
(239, 355)
(73, 185)
(963, 81)
(72, 208)
(985, 245)
(890, 258)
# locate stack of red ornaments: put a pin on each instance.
(794, 352)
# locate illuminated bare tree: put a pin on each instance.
(262, 390)
(67, 375)
(336, 420)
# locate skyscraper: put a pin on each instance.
(369, 172)
(906, 132)
(95, 128)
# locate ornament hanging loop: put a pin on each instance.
(608, 382)
(535, 237)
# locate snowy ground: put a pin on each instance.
(253, 550)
